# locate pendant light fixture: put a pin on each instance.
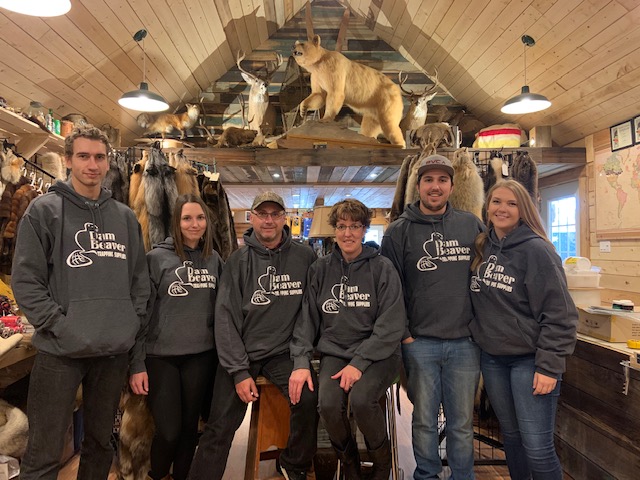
(37, 8)
(526, 102)
(142, 99)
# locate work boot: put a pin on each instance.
(381, 458)
(350, 459)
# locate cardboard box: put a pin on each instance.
(611, 327)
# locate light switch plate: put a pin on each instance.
(605, 247)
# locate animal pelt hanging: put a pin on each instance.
(10, 168)
(468, 191)
(14, 430)
(525, 171)
(136, 198)
(224, 232)
(411, 191)
(398, 204)
(117, 177)
(54, 165)
(136, 435)
(436, 134)
(494, 172)
(160, 195)
(186, 175)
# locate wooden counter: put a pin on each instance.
(17, 363)
(598, 425)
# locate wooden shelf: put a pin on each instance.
(28, 137)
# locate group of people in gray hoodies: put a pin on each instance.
(444, 295)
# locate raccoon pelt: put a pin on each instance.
(397, 207)
(437, 134)
(14, 430)
(234, 137)
(525, 171)
(54, 164)
(468, 194)
(224, 234)
(136, 198)
(160, 195)
(186, 175)
(411, 192)
(117, 178)
(136, 435)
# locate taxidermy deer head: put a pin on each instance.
(259, 119)
(417, 114)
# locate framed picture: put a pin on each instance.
(247, 216)
(621, 136)
(636, 130)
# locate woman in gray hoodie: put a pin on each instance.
(525, 323)
(353, 305)
(174, 359)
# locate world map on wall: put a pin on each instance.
(617, 202)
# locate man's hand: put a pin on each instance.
(348, 376)
(297, 381)
(247, 390)
(542, 384)
(139, 383)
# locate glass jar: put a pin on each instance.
(37, 112)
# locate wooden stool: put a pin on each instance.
(269, 427)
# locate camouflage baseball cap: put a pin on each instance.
(268, 197)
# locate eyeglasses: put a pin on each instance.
(352, 228)
(273, 215)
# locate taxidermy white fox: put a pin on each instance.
(167, 122)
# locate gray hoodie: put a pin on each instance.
(355, 308)
(433, 254)
(259, 302)
(179, 317)
(79, 273)
(521, 301)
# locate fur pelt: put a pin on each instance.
(11, 165)
(136, 198)
(136, 435)
(14, 430)
(117, 178)
(525, 171)
(468, 191)
(160, 195)
(186, 175)
(54, 164)
(398, 204)
(224, 235)
(411, 192)
(435, 134)
(234, 137)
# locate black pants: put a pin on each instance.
(365, 401)
(227, 413)
(177, 388)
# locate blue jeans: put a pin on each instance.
(526, 420)
(442, 372)
(52, 391)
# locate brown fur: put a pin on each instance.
(525, 170)
(234, 137)
(11, 165)
(436, 134)
(14, 430)
(338, 81)
(167, 122)
(411, 194)
(398, 204)
(468, 192)
(136, 434)
(136, 198)
(186, 175)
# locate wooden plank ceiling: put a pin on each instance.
(585, 59)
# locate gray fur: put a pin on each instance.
(468, 191)
(436, 134)
(160, 194)
(54, 164)
(525, 171)
(117, 178)
(14, 430)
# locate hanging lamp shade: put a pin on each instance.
(38, 8)
(320, 227)
(526, 102)
(143, 100)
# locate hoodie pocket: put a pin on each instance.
(97, 327)
(505, 334)
(184, 333)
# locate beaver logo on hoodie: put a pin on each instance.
(270, 284)
(493, 275)
(91, 242)
(188, 276)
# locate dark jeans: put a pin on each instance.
(227, 413)
(365, 401)
(52, 391)
(526, 420)
(177, 388)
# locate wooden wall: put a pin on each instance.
(620, 267)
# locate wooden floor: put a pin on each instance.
(236, 462)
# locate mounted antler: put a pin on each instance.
(417, 114)
(261, 117)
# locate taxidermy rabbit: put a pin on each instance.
(167, 122)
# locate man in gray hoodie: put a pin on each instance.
(431, 246)
(259, 302)
(80, 277)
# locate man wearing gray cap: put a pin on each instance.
(431, 245)
(259, 302)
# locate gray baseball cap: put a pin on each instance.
(268, 197)
(435, 162)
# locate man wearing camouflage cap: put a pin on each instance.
(259, 302)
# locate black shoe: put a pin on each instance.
(381, 458)
(291, 474)
(350, 459)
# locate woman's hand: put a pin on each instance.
(139, 383)
(543, 384)
(299, 377)
(348, 376)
